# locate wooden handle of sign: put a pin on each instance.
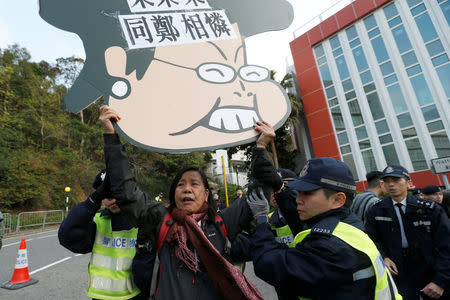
(274, 152)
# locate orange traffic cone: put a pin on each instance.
(21, 277)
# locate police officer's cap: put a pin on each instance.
(325, 172)
(395, 171)
(417, 191)
(430, 189)
(286, 174)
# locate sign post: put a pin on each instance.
(67, 190)
(442, 166)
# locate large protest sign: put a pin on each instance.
(175, 70)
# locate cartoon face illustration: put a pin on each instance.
(184, 97)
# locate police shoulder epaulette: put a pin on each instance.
(378, 201)
(425, 203)
(325, 227)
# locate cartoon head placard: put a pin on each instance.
(175, 70)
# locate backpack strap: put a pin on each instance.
(221, 224)
(165, 226)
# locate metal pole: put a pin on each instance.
(67, 204)
(225, 180)
(237, 176)
(447, 184)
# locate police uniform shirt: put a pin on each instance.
(399, 217)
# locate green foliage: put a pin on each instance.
(231, 191)
(43, 149)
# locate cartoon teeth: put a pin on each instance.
(233, 118)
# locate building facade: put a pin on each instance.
(375, 83)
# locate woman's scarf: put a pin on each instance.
(227, 279)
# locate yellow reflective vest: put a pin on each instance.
(110, 274)
(283, 234)
(385, 288)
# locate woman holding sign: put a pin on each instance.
(190, 237)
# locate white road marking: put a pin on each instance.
(52, 264)
(43, 232)
(46, 236)
(16, 243)
(78, 254)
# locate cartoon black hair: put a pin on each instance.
(97, 24)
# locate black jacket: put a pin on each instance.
(320, 267)
(175, 280)
(428, 234)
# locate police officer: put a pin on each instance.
(413, 236)
(334, 258)
(110, 238)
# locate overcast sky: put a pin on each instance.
(20, 23)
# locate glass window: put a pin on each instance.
(337, 52)
(333, 102)
(334, 42)
(441, 144)
(437, 61)
(390, 79)
(387, 68)
(397, 99)
(331, 92)
(409, 133)
(445, 6)
(355, 112)
(380, 49)
(430, 113)
(360, 59)
(401, 38)
(375, 106)
(364, 144)
(350, 95)
(435, 126)
(390, 11)
(426, 27)
(411, 3)
(351, 32)
(347, 85)
(444, 76)
(369, 161)
(404, 120)
(346, 149)
(382, 126)
(348, 160)
(394, 22)
(421, 89)
(414, 70)
(370, 22)
(337, 118)
(342, 138)
(374, 33)
(318, 50)
(435, 48)
(418, 9)
(370, 87)
(366, 77)
(385, 139)
(361, 132)
(321, 60)
(390, 155)
(416, 154)
(342, 67)
(409, 58)
(326, 75)
(355, 43)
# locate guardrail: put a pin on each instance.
(36, 219)
(8, 221)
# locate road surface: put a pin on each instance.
(61, 273)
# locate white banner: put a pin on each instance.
(152, 30)
(165, 5)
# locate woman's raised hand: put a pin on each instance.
(107, 115)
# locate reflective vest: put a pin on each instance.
(385, 288)
(110, 274)
(283, 234)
